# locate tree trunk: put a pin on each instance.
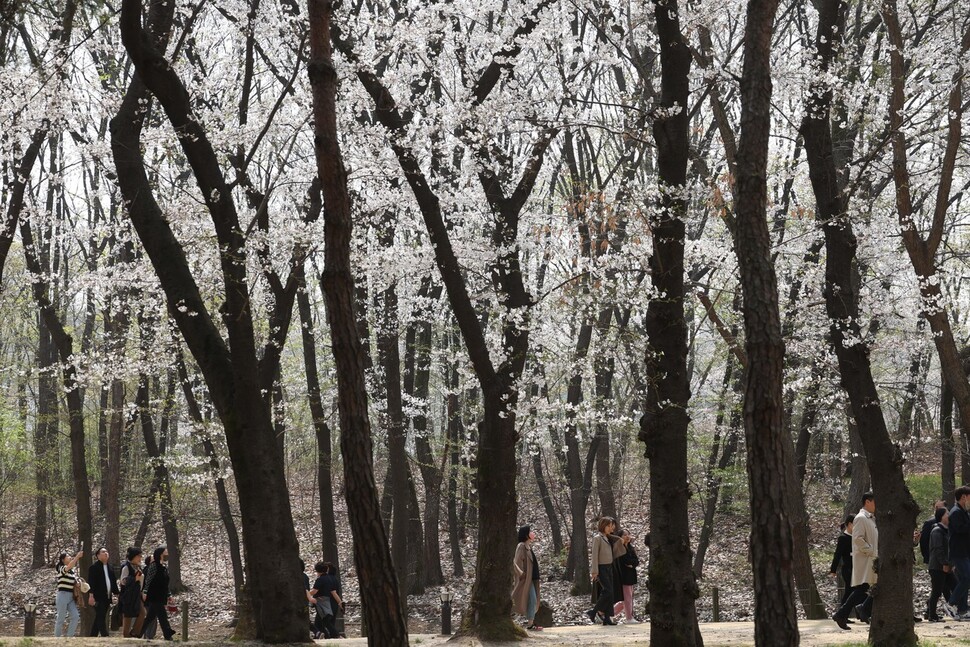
(328, 519)
(379, 588)
(417, 384)
(892, 617)
(397, 456)
(768, 462)
(948, 461)
(663, 426)
(237, 379)
(454, 431)
(45, 442)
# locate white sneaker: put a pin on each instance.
(632, 621)
(963, 617)
(949, 610)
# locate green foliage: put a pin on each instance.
(925, 488)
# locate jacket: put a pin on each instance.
(603, 551)
(130, 597)
(843, 557)
(522, 576)
(865, 549)
(627, 566)
(924, 539)
(155, 585)
(100, 587)
(939, 548)
(959, 533)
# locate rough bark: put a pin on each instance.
(948, 459)
(380, 592)
(771, 536)
(892, 618)
(663, 426)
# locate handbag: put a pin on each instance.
(116, 617)
(81, 588)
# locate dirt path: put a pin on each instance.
(815, 633)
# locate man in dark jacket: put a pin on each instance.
(103, 586)
(939, 563)
(960, 551)
(924, 533)
(155, 591)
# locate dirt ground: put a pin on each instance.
(815, 633)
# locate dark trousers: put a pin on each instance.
(859, 595)
(958, 597)
(604, 602)
(326, 625)
(157, 610)
(846, 589)
(100, 626)
(942, 584)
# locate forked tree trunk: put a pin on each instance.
(379, 589)
(663, 427)
(768, 462)
(237, 379)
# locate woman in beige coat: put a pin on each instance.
(605, 548)
(525, 573)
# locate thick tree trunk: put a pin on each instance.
(379, 588)
(237, 379)
(892, 617)
(768, 462)
(112, 496)
(663, 427)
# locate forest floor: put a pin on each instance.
(814, 633)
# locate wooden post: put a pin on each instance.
(185, 621)
(716, 603)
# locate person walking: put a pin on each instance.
(922, 537)
(626, 570)
(103, 588)
(525, 574)
(325, 594)
(959, 554)
(842, 559)
(130, 600)
(865, 550)
(939, 563)
(155, 592)
(605, 549)
(64, 602)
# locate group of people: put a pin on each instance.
(326, 597)
(944, 542)
(142, 588)
(613, 572)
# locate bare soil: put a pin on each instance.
(814, 633)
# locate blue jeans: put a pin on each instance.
(530, 611)
(958, 598)
(65, 605)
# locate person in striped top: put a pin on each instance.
(66, 606)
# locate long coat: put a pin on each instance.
(522, 576)
(865, 549)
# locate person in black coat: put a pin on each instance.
(101, 577)
(941, 579)
(155, 591)
(625, 579)
(926, 529)
(843, 558)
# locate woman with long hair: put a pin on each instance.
(626, 578)
(525, 571)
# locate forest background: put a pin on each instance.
(525, 140)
